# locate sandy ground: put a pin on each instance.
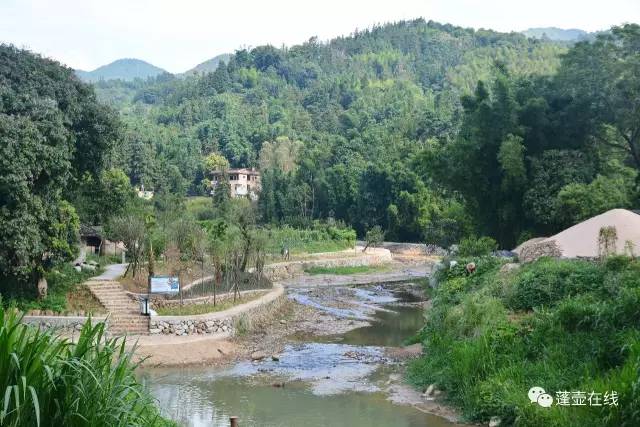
(581, 240)
(161, 351)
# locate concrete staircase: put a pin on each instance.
(124, 313)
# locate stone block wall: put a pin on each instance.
(190, 326)
(533, 251)
(64, 324)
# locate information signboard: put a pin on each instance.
(164, 285)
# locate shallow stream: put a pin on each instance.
(337, 380)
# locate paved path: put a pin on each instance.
(111, 272)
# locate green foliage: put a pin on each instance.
(335, 127)
(61, 280)
(48, 381)
(549, 281)
(52, 131)
(578, 201)
(579, 331)
(473, 247)
(374, 237)
(319, 238)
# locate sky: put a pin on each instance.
(177, 35)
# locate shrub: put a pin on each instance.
(472, 247)
(547, 281)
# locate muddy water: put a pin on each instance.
(336, 382)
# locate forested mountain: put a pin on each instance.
(558, 34)
(208, 65)
(391, 127)
(124, 69)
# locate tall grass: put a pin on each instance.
(557, 324)
(49, 381)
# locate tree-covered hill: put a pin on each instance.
(390, 126)
(208, 66)
(122, 69)
(558, 34)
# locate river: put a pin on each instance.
(337, 380)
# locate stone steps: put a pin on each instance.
(124, 313)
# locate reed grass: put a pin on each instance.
(48, 381)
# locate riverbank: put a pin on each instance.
(352, 326)
(554, 324)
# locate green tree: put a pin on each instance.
(603, 79)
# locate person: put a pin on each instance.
(285, 253)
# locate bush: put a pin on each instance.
(472, 247)
(61, 280)
(547, 281)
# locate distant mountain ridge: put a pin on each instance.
(558, 34)
(123, 69)
(209, 65)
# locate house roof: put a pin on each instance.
(247, 171)
(91, 230)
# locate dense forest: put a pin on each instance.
(430, 131)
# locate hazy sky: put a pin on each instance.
(176, 35)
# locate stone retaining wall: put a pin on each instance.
(211, 323)
(189, 326)
(287, 270)
(159, 301)
(533, 251)
(65, 324)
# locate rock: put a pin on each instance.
(494, 421)
(275, 357)
(430, 391)
(77, 268)
(258, 355)
(504, 254)
(154, 331)
(509, 267)
(283, 322)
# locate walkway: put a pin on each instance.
(124, 313)
(111, 272)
